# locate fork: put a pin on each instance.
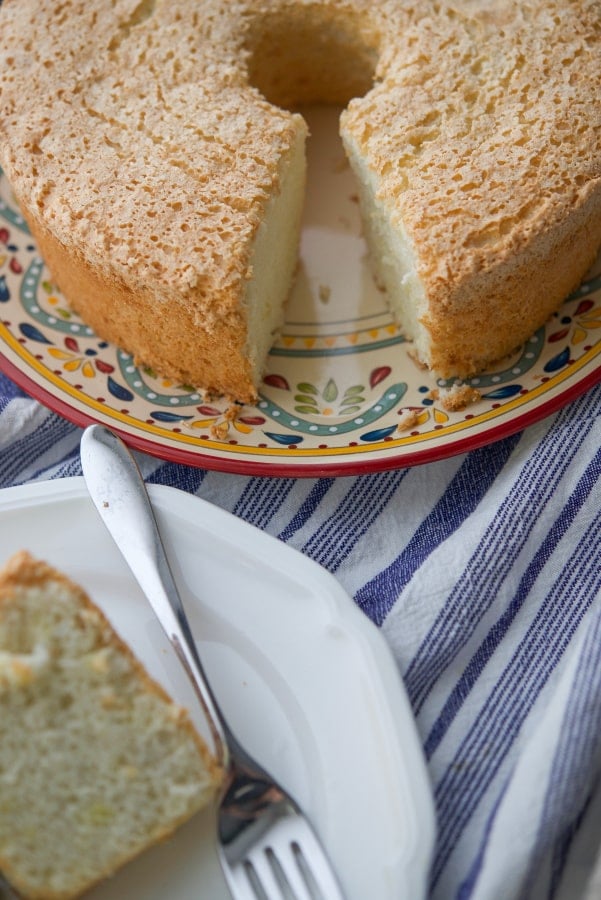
(267, 848)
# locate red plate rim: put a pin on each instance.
(237, 466)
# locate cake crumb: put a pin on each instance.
(219, 431)
(458, 396)
(232, 412)
(220, 428)
(408, 418)
(412, 354)
(325, 292)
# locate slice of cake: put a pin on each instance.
(96, 761)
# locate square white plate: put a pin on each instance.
(307, 681)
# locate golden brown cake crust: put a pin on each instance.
(146, 177)
(138, 321)
(493, 163)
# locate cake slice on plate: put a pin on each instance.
(97, 763)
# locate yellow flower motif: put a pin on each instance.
(72, 362)
(588, 316)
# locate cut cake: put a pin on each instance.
(154, 153)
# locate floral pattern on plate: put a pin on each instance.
(341, 393)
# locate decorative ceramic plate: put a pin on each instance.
(306, 681)
(341, 394)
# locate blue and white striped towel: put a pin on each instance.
(484, 573)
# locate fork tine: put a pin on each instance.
(300, 880)
(254, 878)
(277, 876)
(312, 863)
(291, 856)
(286, 863)
(276, 866)
(243, 882)
(260, 877)
(313, 874)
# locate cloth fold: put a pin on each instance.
(484, 573)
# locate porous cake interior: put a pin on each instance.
(87, 747)
(297, 60)
(274, 258)
(393, 259)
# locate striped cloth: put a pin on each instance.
(483, 572)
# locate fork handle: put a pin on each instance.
(118, 492)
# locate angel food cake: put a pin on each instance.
(157, 152)
(96, 762)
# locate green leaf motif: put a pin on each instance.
(330, 392)
(302, 398)
(355, 389)
(305, 388)
(306, 410)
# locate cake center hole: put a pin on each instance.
(311, 60)
(334, 281)
(305, 55)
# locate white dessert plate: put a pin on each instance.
(341, 393)
(306, 680)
